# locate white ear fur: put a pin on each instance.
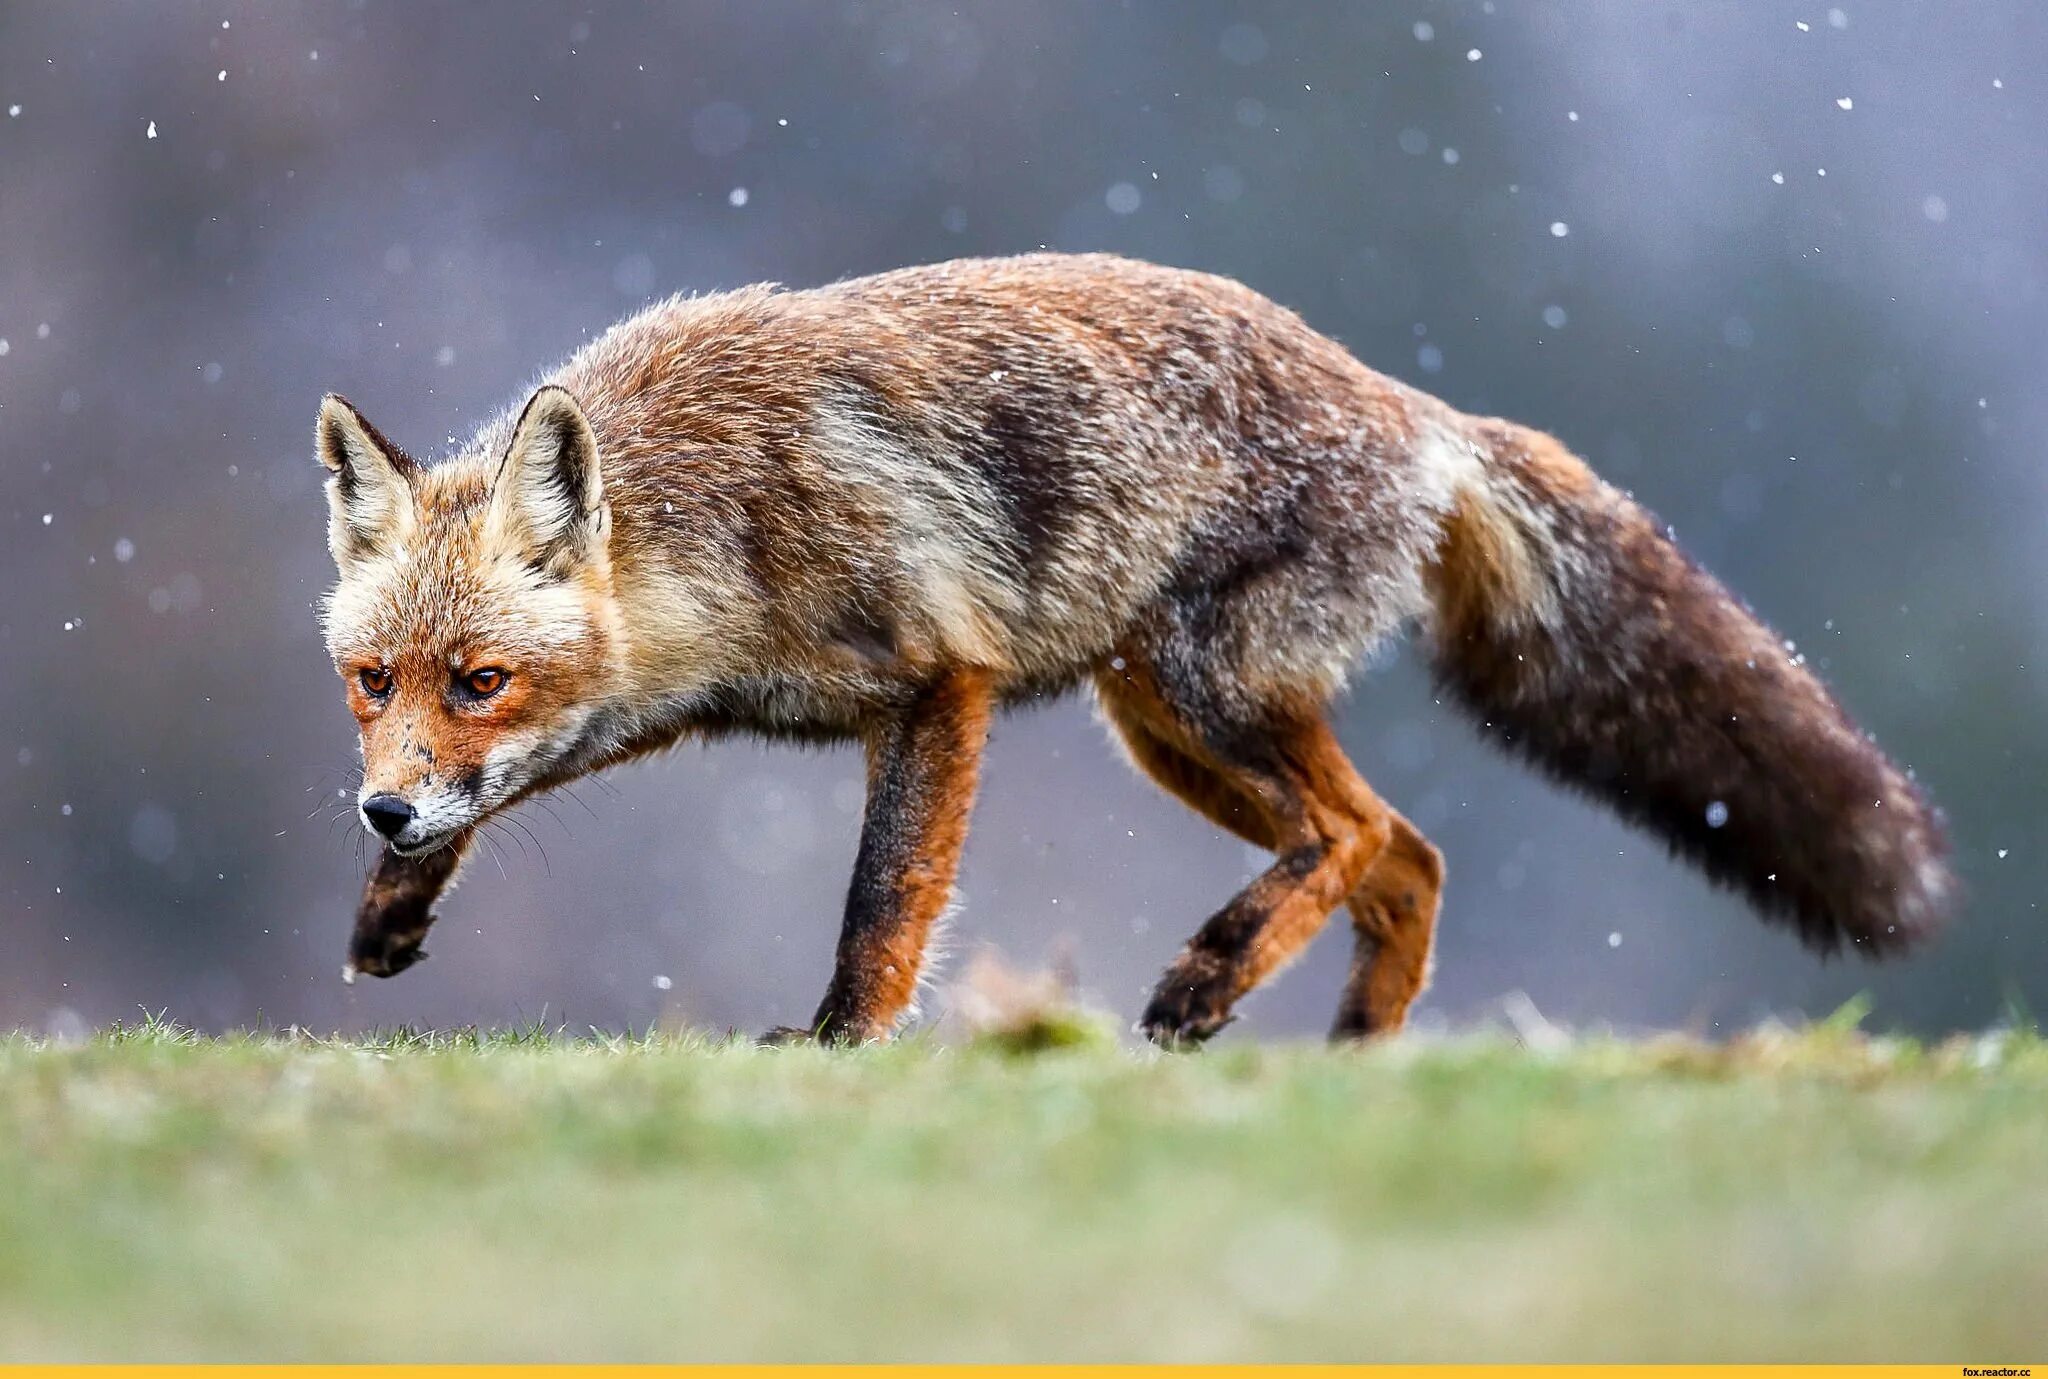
(369, 488)
(547, 502)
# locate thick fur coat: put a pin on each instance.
(878, 511)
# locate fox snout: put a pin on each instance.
(387, 814)
(418, 821)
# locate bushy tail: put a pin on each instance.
(1588, 643)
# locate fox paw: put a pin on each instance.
(831, 1031)
(1184, 1014)
(383, 955)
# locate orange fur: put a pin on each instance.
(922, 771)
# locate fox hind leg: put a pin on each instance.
(1393, 916)
(1393, 909)
(1284, 784)
(1200, 787)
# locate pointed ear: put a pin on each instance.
(369, 483)
(547, 503)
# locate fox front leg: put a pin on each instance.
(922, 769)
(397, 909)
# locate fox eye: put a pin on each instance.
(376, 681)
(484, 683)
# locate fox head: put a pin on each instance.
(473, 623)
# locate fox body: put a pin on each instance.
(882, 510)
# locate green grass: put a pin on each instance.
(1816, 1195)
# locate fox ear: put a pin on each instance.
(369, 483)
(547, 502)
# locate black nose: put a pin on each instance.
(388, 814)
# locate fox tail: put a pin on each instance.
(1586, 642)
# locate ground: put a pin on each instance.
(1811, 1195)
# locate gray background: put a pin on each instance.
(1828, 385)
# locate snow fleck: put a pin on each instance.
(1838, 18)
(1845, 103)
(1572, 115)
(1413, 141)
(1997, 84)
(42, 330)
(151, 132)
(663, 983)
(1717, 814)
(2002, 852)
(13, 112)
(1451, 157)
(1473, 55)
(736, 197)
(1554, 316)
(1614, 939)
(223, 75)
(124, 550)
(1558, 229)
(1935, 209)
(4, 347)
(48, 518)
(1122, 198)
(1429, 359)
(445, 355)
(1424, 31)
(1803, 26)
(212, 372)
(1779, 178)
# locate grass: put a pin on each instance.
(529, 1195)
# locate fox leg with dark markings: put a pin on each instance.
(1393, 918)
(922, 769)
(397, 909)
(1282, 783)
(1393, 910)
(1329, 828)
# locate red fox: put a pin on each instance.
(879, 511)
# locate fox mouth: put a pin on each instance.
(420, 847)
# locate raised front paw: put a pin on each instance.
(383, 953)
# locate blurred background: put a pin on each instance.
(1776, 267)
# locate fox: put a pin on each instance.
(880, 512)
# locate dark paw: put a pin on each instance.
(830, 1030)
(1184, 1014)
(383, 955)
